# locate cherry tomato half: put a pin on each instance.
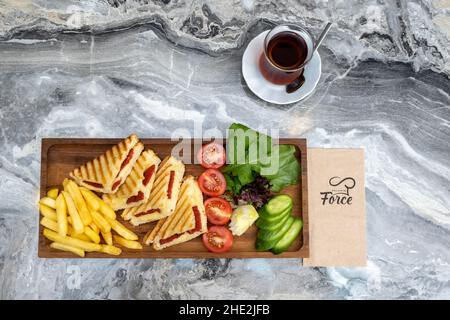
(211, 156)
(212, 183)
(218, 211)
(218, 239)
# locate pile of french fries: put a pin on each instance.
(76, 220)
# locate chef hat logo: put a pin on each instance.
(341, 186)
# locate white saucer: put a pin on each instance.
(272, 92)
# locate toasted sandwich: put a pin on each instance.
(107, 172)
(163, 196)
(137, 186)
(187, 222)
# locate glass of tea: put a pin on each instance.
(287, 49)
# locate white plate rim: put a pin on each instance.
(295, 98)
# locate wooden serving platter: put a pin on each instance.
(59, 156)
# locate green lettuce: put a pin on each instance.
(242, 169)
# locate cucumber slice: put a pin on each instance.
(267, 235)
(266, 215)
(264, 245)
(289, 237)
(278, 204)
(265, 219)
(271, 226)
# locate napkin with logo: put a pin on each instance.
(337, 216)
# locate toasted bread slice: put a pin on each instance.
(181, 205)
(107, 172)
(188, 220)
(151, 234)
(137, 186)
(163, 196)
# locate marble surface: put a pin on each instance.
(108, 68)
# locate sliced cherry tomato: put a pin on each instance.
(218, 211)
(218, 239)
(212, 183)
(211, 156)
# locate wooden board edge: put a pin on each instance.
(45, 145)
(302, 144)
(175, 255)
(303, 252)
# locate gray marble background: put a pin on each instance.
(107, 68)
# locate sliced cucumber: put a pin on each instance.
(266, 241)
(278, 204)
(267, 235)
(261, 245)
(265, 219)
(288, 238)
(271, 226)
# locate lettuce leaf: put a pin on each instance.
(288, 171)
(243, 171)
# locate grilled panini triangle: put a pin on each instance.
(137, 186)
(163, 196)
(151, 234)
(187, 222)
(107, 172)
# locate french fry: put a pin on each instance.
(94, 227)
(97, 204)
(84, 245)
(107, 211)
(65, 247)
(91, 234)
(77, 224)
(107, 236)
(65, 183)
(110, 250)
(49, 224)
(82, 237)
(47, 212)
(101, 222)
(127, 243)
(53, 193)
(121, 229)
(49, 202)
(72, 188)
(61, 215)
(79, 236)
(69, 220)
(92, 200)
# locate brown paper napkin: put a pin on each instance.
(337, 216)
